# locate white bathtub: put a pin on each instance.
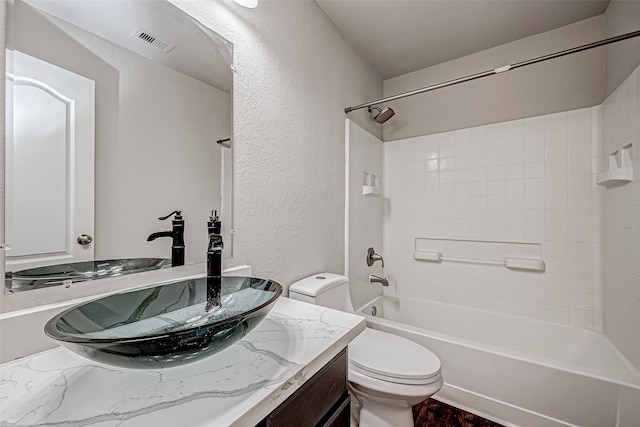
(517, 371)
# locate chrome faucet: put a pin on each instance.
(177, 238)
(372, 257)
(377, 279)
(214, 261)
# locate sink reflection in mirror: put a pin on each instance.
(144, 139)
(62, 274)
(164, 325)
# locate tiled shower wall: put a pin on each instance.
(529, 180)
(621, 228)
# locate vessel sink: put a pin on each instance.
(165, 325)
(53, 275)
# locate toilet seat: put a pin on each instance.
(393, 359)
(412, 394)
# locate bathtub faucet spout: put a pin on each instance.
(377, 279)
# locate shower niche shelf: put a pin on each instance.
(370, 190)
(620, 168)
(370, 185)
(615, 177)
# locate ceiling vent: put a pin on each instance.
(149, 38)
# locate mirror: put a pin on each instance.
(114, 110)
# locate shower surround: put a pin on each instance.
(532, 180)
(529, 180)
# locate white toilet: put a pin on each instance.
(388, 374)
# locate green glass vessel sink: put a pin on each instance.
(59, 274)
(165, 325)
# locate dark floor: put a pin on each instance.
(432, 413)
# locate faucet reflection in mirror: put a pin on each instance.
(140, 96)
(177, 237)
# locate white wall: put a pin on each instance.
(562, 84)
(364, 214)
(621, 227)
(295, 74)
(528, 180)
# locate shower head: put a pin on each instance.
(383, 114)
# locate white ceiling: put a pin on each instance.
(199, 52)
(400, 36)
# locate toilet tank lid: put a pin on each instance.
(314, 285)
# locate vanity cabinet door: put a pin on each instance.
(321, 401)
(341, 416)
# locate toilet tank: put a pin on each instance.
(324, 289)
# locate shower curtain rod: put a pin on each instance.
(497, 70)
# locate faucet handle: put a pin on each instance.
(178, 215)
(372, 257)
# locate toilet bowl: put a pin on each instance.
(388, 374)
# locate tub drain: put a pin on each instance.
(374, 310)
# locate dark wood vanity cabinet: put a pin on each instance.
(322, 401)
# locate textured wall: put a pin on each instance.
(561, 84)
(621, 222)
(295, 74)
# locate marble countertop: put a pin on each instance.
(237, 387)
